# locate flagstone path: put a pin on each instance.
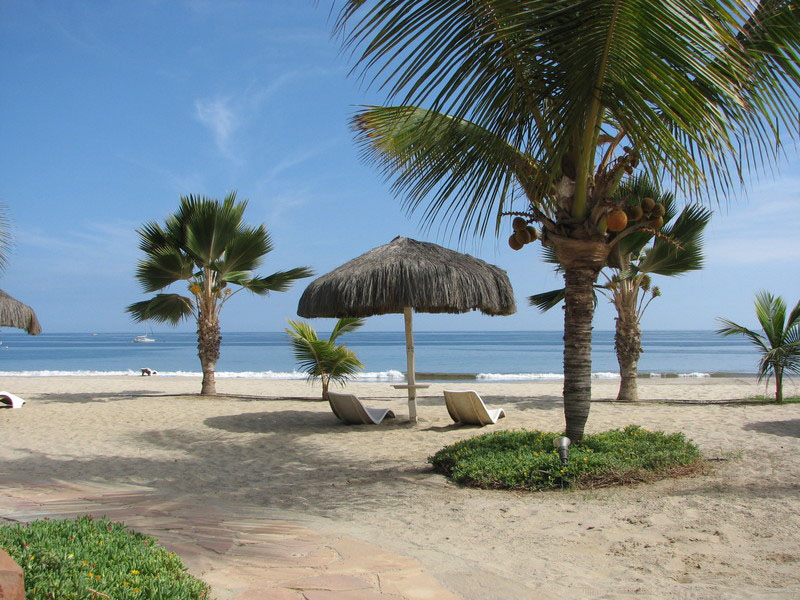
(239, 552)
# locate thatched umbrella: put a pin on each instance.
(14, 313)
(407, 275)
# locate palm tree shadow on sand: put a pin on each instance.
(787, 428)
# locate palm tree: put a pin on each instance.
(780, 343)
(676, 250)
(323, 359)
(206, 244)
(552, 102)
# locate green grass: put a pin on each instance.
(527, 460)
(95, 559)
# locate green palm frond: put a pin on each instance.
(210, 226)
(342, 364)
(466, 171)
(680, 250)
(163, 267)
(163, 308)
(547, 300)
(277, 282)
(682, 79)
(345, 325)
(246, 250)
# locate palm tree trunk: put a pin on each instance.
(779, 385)
(208, 342)
(628, 344)
(581, 261)
(578, 314)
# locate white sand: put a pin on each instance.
(732, 533)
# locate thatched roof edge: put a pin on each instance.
(406, 272)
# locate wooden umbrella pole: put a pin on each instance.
(410, 375)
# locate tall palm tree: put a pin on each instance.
(780, 342)
(205, 244)
(552, 102)
(676, 250)
(323, 359)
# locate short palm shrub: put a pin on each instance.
(88, 558)
(527, 460)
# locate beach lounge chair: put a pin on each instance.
(348, 408)
(11, 399)
(466, 406)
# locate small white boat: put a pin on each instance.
(143, 339)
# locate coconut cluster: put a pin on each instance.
(618, 219)
(523, 233)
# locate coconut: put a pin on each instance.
(617, 220)
(513, 243)
(658, 222)
(533, 232)
(635, 213)
(602, 224)
(519, 223)
(658, 210)
(523, 236)
(648, 204)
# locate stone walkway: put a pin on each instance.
(241, 554)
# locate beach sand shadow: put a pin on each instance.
(89, 397)
(788, 428)
(295, 422)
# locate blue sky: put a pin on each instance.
(112, 110)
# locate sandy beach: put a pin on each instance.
(272, 446)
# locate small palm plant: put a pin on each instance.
(780, 343)
(323, 359)
(205, 244)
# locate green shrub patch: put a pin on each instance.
(91, 559)
(527, 460)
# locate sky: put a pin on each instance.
(113, 110)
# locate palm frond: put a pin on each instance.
(698, 95)
(245, 250)
(680, 249)
(342, 364)
(771, 314)
(163, 308)
(547, 300)
(163, 267)
(464, 170)
(345, 325)
(210, 225)
(277, 282)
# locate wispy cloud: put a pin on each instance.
(219, 115)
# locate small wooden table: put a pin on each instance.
(413, 386)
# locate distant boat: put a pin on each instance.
(143, 339)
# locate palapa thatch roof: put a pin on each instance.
(14, 313)
(405, 272)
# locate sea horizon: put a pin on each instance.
(440, 355)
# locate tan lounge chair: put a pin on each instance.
(466, 406)
(350, 410)
(14, 401)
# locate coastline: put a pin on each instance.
(273, 447)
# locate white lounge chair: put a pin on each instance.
(466, 406)
(348, 408)
(14, 401)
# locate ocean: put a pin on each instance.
(455, 356)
